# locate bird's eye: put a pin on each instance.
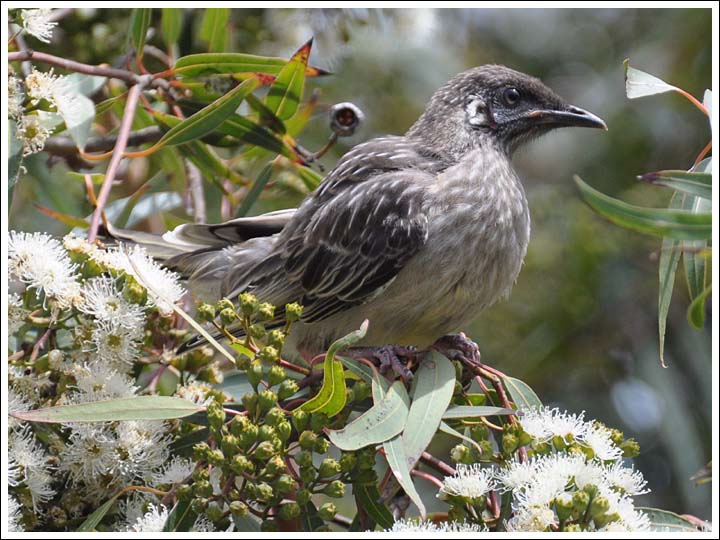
(511, 96)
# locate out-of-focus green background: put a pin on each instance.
(581, 324)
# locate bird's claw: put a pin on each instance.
(389, 358)
(459, 347)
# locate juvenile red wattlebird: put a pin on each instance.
(416, 233)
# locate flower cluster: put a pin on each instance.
(574, 478)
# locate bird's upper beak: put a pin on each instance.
(570, 116)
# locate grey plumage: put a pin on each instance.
(415, 233)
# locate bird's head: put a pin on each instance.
(496, 104)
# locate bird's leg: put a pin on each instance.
(388, 358)
(459, 347)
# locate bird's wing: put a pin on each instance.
(345, 248)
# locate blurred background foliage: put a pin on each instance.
(581, 324)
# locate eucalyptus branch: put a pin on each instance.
(65, 146)
(120, 145)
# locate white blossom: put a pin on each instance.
(15, 97)
(173, 472)
(28, 465)
(163, 286)
(625, 479)
(413, 526)
(14, 515)
(544, 423)
(202, 524)
(116, 345)
(195, 391)
(16, 313)
(152, 521)
(33, 133)
(103, 300)
(40, 261)
(16, 403)
(96, 381)
(471, 481)
(37, 23)
(598, 439)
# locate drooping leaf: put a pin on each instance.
(473, 411)
(664, 521)
(133, 408)
(383, 421)
(433, 390)
(696, 311)
(679, 224)
(331, 397)
(171, 25)
(181, 517)
(286, 92)
(640, 84)
(139, 24)
(667, 267)
(94, 519)
(521, 394)
(255, 191)
(368, 496)
(70, 221)
(693, 261)
(214, 29)
(692, 183)
(398, 461)
(206, 64)
(209, 118)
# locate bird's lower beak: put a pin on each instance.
(569, 117)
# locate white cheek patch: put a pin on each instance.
(476, 113)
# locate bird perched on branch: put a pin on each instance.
(417, 233)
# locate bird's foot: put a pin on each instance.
(459, 347)
(389, 358)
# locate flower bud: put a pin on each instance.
(564, 505)
(248, 437)
(266, 433)
(285, 484)
(238, 508)
(318, 421)
(509, 442)
(327, 511)
(329, 467)
(308, 474)
(255, 374)
(264, 451)
(200, 451)
(265, 311)
(205, 313)
(199, 504)
(289, 511)
(216, 415)
(276, 375)
(267, 399)
(461, 454)
(366, 458)
(307, 440)
(276, 338)
(598, 506)
(215, 457)
(134, 293)
(248, 303)
(580, 502)
(300, 419)
(284, 430)
(227, 316)
(293, 312)
(275, 466)
(335, 489)
(184, 492)
(348, 461)
(257, 331)
(239, 423)
(250, 401)
(240, 464)
(287, 388)
(268, 355)
(55, 359)
(229, 444)
(214, 513)
(264, 491)
(303, 459)
(225, 303)
(274, 417)
(202, 488)
(321, 446)
(303, 496)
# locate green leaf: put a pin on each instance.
(368, 497)
(678, 224)
(70, 221)
(139, 24)
(696, 311)
(257, 188)
(133, 408)
(248, 131)
(246, 523)
(266, 116)
(206, 64)
(433, 390)
(383, 421)
(94, 519)
(693, 261)
(209, 118)
(331, 397)
(78, 118)
(286, 92)
(667, 267)
(521, 394)
(664, 521)
(15, 155)
(692, 183)
(181, 517)
(640, 84)
(446, 428)
(398, 461)
(171, 25)
(473, 411)
(214, 29)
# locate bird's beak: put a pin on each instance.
(571, 116)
